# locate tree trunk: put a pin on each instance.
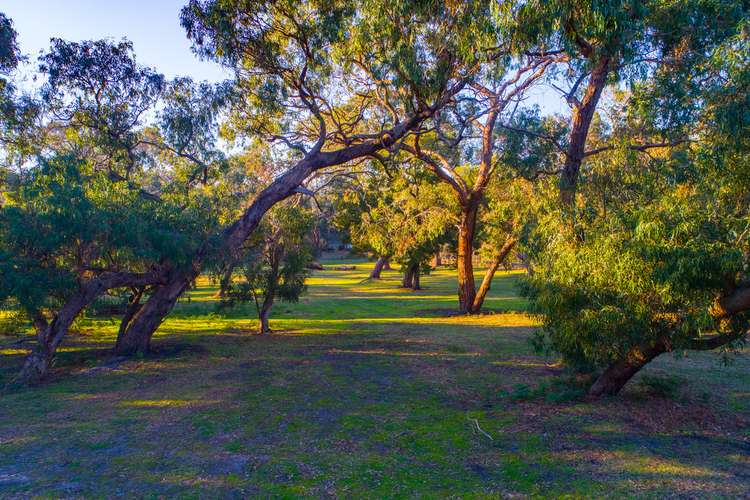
(464, 259)
(387, 265)
(490, 274)
(379, 265)
(133, 307)
(226, 280)
(415, 278)
(583, 114)
(408, 280)
(264, 315)
(137, 336)
(617, 374)
(437, 260)
(49, 338)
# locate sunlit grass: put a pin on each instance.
(364, 389)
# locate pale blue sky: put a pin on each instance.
(152, 25)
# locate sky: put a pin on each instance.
(152, 25)
(154, 28)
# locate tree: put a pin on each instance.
(99, 189)
(464, 151)
(330, 83)
(275, 265)
(657, 260)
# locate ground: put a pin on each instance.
(367, 390)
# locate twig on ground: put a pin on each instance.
(479, 429)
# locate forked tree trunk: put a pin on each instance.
(133, 307)
(37, 364)
(379, 266)
(464, 259)
(484, 288)
(408, 279)
(137, 336)
(617, 374)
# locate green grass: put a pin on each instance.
(365, 390)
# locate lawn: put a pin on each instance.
(364, 390)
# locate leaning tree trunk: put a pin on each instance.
(37, 364)
(464, 259)
(387, 265)
(138, 334)
(379, 266)
(484, 288)
(582, 118)
(265, 314)
(617, 374)
(133, 307)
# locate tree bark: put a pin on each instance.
(408, 279)
(484, 288)
(583, 114)
(37, 364)
(387, 265)
(464, 259)
(133, 307)
(265, 314)
(226, 279)
(617, 374)
(415, 279)
(379, 266)
(437, 261)
(137, 336)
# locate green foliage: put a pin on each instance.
(64, 221)
(658, 237)
(406, 216)
(275, 264)
(9, 54)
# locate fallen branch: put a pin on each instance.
(479, 429)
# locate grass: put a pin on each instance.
(365, 390)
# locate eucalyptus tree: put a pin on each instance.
(655, 260)
(471, 125)
(407, 218)
(98, 189)
(329, 83)
(275, 264)
(18, 112)
(354, 199)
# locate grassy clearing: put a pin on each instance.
(364, 390)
